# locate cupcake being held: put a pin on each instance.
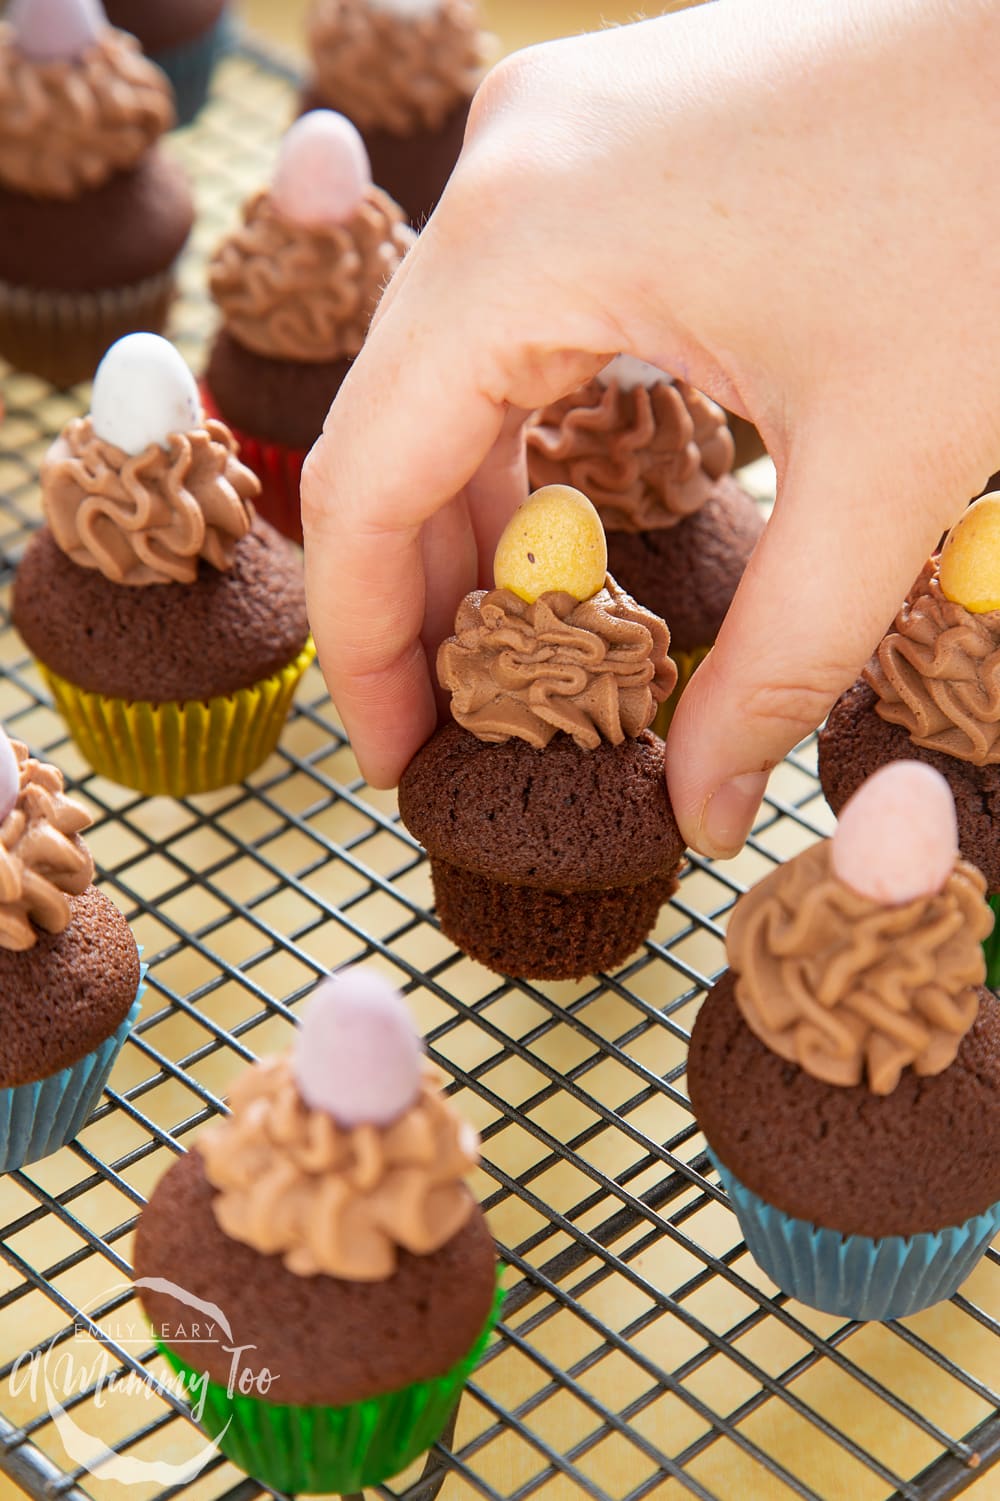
(655, 456)
(183, 37)
(404, 71)
(297, 285)
(931, 692)
(94, 215)
(168, 620)
(846, 1069)
(70, 978)
(327, 1218)
(543, 805)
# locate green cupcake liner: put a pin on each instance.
(991, 945)
(299, 1448)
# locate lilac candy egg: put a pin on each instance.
(10, 776)
(323, 170)
(357, 1054)
(897, 837)
(53, 30)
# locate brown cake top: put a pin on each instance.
(396, 65)
(67, 124)
(43, 861)
(646, 449)
(307, 292)
(148, 517)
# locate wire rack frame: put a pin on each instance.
(641, 1353)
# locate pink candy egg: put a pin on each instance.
(897, 837)
(357, 1054)
(323, 170)
(10, 776)
(50, 30)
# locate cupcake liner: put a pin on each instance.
(341, 1449)
(991, 945)
(37, 1119)
(190, 66)
(278, 467)
(854, 1276)
(180, 748)
(63, 335)
(685, 662)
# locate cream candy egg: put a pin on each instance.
(52, 30)
(10, 776)
(897, 837)
(143, 392)
(323, 172)
(554, 542)
(970, 559)
(357, 1054)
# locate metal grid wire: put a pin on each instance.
(641, 1352)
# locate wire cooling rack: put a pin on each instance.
(641, 1352)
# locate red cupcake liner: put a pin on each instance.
(278, 467)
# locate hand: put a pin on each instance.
(794, 208)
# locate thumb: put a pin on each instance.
(828, 575)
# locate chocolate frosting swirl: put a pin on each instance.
(388, 72)
(67, 126)
(530, 670)
(302, 293)
(148, 518)
(938, 674)
(647, 456)
(850, 989)
(333, 1200)
(43, 861)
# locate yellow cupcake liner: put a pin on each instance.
(180, 748)
(685, 662)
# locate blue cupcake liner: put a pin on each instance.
(37, 1119)
(190, 67)
(855, 1276)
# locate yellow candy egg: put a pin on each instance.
(553, 542)
(970, 558)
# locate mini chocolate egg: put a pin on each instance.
(554, 542)
(897, 836)
(10, 776)
(143, 392)
(323, 171)
(970, 558)
(53, 30)
(357, 1054)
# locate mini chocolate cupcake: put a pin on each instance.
(655, 456)
(931, 692)
(328, 1224)
(183, 37)
(168, 620)
(846, 1069)
(70, 980)
(297, 285)
(544, 806)
(405, 72)
(94, 216)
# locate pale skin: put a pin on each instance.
(795, 207)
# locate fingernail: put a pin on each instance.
(728, 815)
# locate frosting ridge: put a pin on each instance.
(853, 990)
(148, 518)
(69, 125)
(937, 673)
(396, 73)
(307, 293)
(331, 1199)
(43, 861)
(593, 669)
(646, 455)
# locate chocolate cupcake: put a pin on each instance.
(655, 456)
(168, 620)
(543, 806)
(70, 978)
(94, 216)
(404, 71)
(846, 1069)
(328, 1222)
(297, 285)
(183, 37)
